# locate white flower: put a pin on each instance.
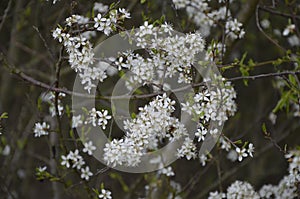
(224, 144)
(216, 195)
(250, 149)
(65, 161)
(74, 158)
(54, 1)
(99, 21)
(124, 12)
(272, 117)
(98, 118)
(203, 159)
(57, 34)
(76, 121)
(41, 169)
(103, 118)
(265, 23)
(289, 29)
(294, 40)
(167, 171)
(6, 150)
(241, 153)
(89, 148)
(41, 129)
(105, 194)
(232, 155)
(201, 132)
(85, 173)
(100, 7)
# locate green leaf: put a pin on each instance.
(4, 115)
(238, 142)
(143, 1)
(284, 101)
(264, 129)
(133, 115)
(39, 104)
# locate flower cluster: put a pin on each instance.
(50, 99)
(206, 18)
(93, 117)
(238, 189)
(80, 50)
(188, 149)
(215, 105)
(143, 133)
(169, 53)
(75, 160)
(234, 29)
(286, 189)
(41, 129)
(168, 171)
(98, 118)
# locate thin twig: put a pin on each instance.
(263, 32)
(45, 44)
(5, 14)
(143, 96)
(266, 9)
(253, 77)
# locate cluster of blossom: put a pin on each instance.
(93, 117)
(234, 29)
(206, 106)
(215, 105)
(49, 97)
(75, 160)
(233, 154)
(286, 189)
(238, 153)
(75, 37)
(41, 129)
(143, 133)
(206, 18)
(238, 189)
(98, 118)
(173, 54)
(168, 171)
